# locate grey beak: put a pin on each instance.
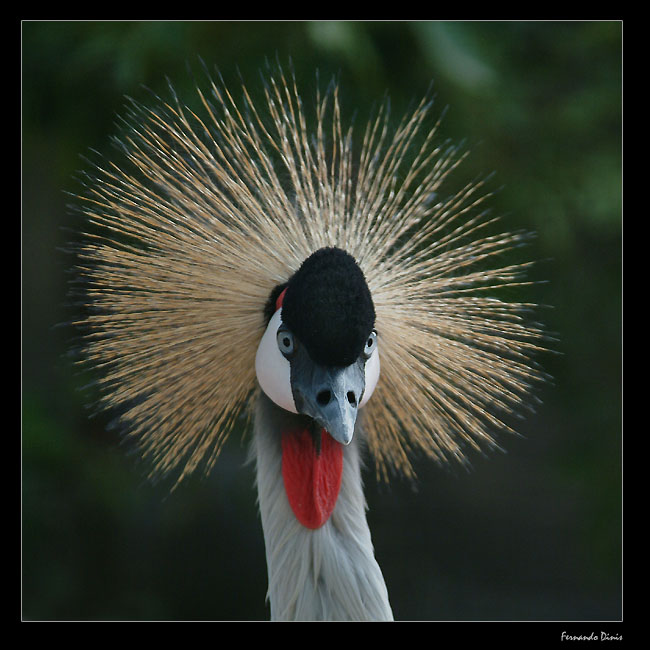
(331, 396)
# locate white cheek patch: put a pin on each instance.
(272, 369)
(372, 376)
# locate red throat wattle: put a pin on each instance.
(312, 477)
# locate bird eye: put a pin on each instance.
(371, 344)
(286, 342)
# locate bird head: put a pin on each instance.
(318, 356)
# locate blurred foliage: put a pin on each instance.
(540, 104)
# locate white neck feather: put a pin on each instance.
(324, 574)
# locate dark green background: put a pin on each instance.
(534, 534)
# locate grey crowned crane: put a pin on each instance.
(248, 258)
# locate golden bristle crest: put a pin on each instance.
(208, 212)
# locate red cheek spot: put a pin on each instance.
(280, 298)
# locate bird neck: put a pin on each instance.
(328, 573)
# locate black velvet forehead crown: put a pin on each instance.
(329, 308)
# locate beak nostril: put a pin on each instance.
(352, 398)
(324, 397)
